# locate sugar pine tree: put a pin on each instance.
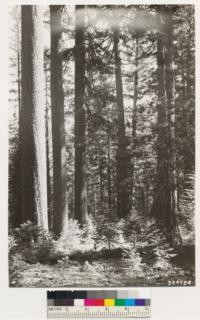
(80, 199)
(32, 121)
(60, 202)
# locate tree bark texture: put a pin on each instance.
(81, 213)
(49, 202)
(109, 172)
(172, 227)
(123, 206)
(32, 120)
(60, 201)
(134, 118)
(165, 200)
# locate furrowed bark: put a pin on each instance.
(32, 121)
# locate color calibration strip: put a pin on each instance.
(99, 304)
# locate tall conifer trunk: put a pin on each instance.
(81, 213)
(135, 98)
(49, 202)
(161, 205)
(171, 219)
(123, 206)
(32, 120)
(165, 200)
(134, 120)
(60, 202)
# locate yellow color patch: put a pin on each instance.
(109, 302)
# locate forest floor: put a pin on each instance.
(109, 272)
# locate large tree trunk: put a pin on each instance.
(135, 98)
(190, 93)
(14, 157)
(164, 206)
(172, 227)
(32, 120)
(161, 205)
(60, 203)
(123, 206)
(80, 119)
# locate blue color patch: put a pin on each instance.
(129, 302)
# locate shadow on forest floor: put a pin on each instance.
(108, 271)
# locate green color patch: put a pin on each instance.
(119, 302)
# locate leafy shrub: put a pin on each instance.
(187, 209)
(150, 248)
(15, 261)
(163, 257)
(142, 231)
(77, 237)
(133, 261)
(108, 233)
(12, 244)
(36, 245)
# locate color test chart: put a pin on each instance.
(98, 304)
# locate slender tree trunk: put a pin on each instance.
(171, 219)
(188, 102)
(188, 63)
(147, 200)
(73, 198)
(135, 98)
(47, 153)
(161, 204)
(141, 199)
(101, 183)
(109, 173)
(123, 206)
(32, 120)
(81, 213)
(183, 75)
(109, 245)
(95, 200)
(60, 202)
(134, 120)
(19, 80)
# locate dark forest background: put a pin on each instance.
(101, 145)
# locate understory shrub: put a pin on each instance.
(148, 241)
(35, 245)
(108, 233)
(77, 237)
